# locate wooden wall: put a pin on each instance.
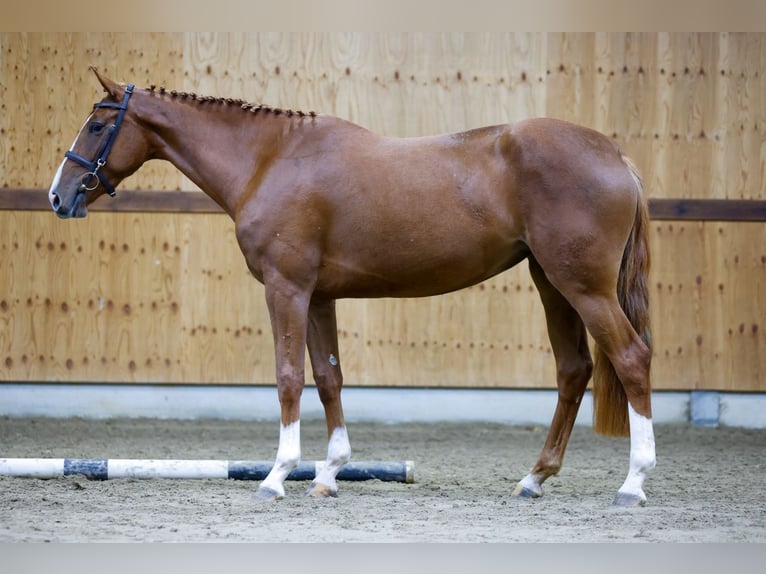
(166, 297)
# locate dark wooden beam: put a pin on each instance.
(198, 202)
(708, 209)
(124, 201)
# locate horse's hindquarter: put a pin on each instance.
(576, 193)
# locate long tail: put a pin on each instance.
(610, 405)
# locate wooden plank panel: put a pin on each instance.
(742, 125)
(129, 297)
(656, 93)
(167, 298)
(88, 300)
(569, 77)
(491, 335)
(708, 305)
(48, 92)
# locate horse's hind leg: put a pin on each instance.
(325, 362)
(631, 359)
(569, 342)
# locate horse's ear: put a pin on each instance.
(112, 88)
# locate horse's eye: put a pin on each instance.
(96, 128)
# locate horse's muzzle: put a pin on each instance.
(76, 209)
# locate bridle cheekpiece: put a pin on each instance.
(94, 174)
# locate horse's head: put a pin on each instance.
(108, 148)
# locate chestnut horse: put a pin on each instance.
(325, 209)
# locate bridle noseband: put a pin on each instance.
(88, 179)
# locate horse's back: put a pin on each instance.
(386, 216)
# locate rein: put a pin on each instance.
(88, 179)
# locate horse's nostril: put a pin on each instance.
(56, 203)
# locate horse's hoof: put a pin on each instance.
(627, 500)
(265, 494)
(319, 490)
(524, 492)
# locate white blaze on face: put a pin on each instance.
(57, 177)
(288, 457)
(642, 453)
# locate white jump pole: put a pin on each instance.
(104, 469)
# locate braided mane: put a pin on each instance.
(244, 105)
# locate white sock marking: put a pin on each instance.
(288, 457)
(642, 453)
(533, 483)
(338, 454)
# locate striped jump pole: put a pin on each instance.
(104, 469)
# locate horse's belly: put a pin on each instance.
(395, 270)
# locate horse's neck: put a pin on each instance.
(210, 147)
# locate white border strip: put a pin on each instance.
(389, 405)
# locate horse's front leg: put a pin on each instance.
(325, 362)
(288, 309)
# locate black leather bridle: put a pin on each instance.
(94, 166)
